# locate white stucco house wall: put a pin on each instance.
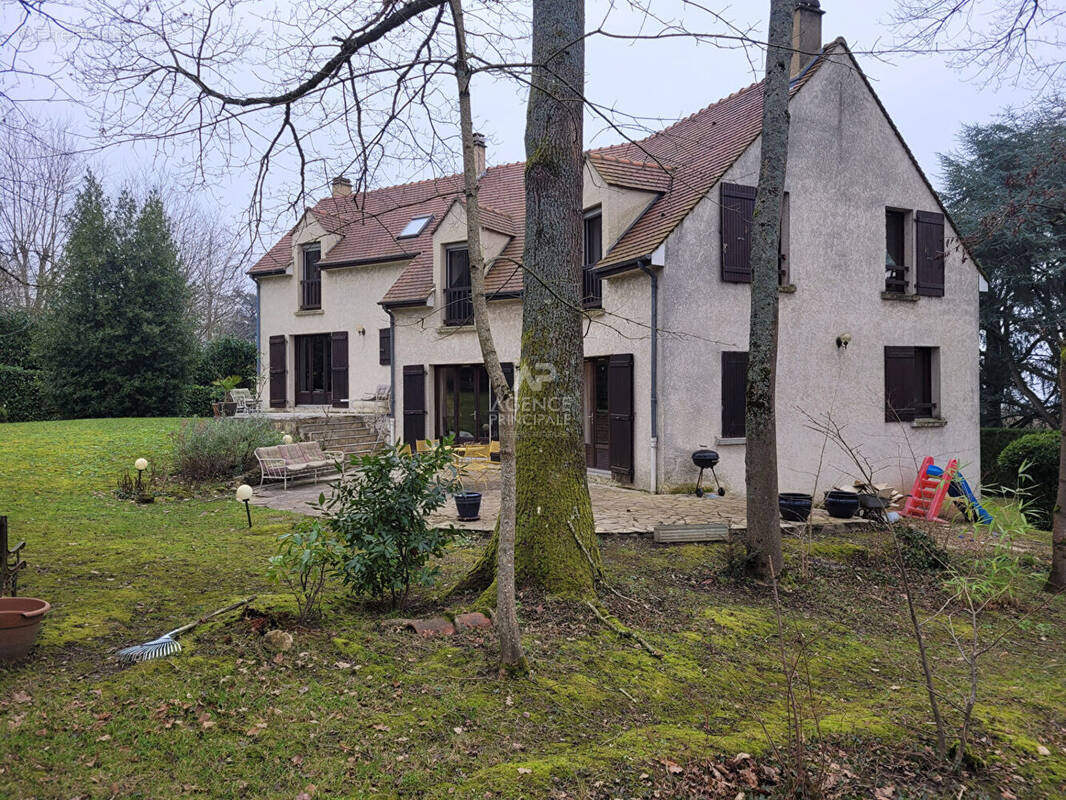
(364, 298)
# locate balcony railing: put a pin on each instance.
(896, 279)
(311, 292)
(591, 288)
(458, 306)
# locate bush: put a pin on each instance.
(305, 556)
(17, 330)
(919, 550)
(196, 400)
(226, 355)
(221, 448)
(22, 396)
(380, 513)
(1033, 464)
(993, 440)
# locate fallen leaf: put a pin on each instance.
(672, 766)
(524, 770)
(21, 697)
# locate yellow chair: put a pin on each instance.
(424, 445)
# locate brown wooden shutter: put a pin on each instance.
(738, 209)
(414, 403)
(734, 392)
(900, 384)
(620, 412)
(278, 375)
(385, 346)
(338, 359)
(929, 253)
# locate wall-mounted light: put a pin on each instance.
(360, 330)
(843, 340)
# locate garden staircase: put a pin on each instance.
(351, 434)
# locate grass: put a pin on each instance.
(358, 709)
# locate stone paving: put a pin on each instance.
(616, 510)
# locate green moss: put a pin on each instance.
(839, 550)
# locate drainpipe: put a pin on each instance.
(392, 376)
(653, 483)
(258, 334)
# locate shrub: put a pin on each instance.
(196, 400)
(22, 396)
(221, 448)
(226, 355)
(919, 550)
(993, 440)
(380, 513)
(1033, 464)
(306, 554)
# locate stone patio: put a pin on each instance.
(616, 510)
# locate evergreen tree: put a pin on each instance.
(117, 342)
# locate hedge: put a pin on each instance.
(22, 395)
(1040, 453)
(993, 440)
(196, 400)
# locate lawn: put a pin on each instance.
(360, 709)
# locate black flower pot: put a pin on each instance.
(468, 504)
(794, 506)
(841, 505)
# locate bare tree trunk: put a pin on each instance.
(760, 460)
(552, 484)
(1056, 581)
(512, 659)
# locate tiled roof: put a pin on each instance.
(681, 163)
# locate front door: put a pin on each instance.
(597, 414)
(313, 370)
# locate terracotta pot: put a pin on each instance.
(20, 622)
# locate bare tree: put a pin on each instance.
(760, 458)
(38, 175)
(213, 260)
(512, 659)
(1018, 41)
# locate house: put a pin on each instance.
(878, 303)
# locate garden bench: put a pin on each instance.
(286, 462)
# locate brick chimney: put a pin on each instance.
(342, 187)
(479, 153)
(806, 34)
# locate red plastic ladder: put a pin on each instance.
(929, 491)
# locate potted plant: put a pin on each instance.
(227, 385)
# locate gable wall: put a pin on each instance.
(845, 166)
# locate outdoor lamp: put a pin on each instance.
(140, 465)
(286, 439)
(244, 494)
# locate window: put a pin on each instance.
(311, 278)
(911, 377)
(738, 210)
(466, 406)
(385, 346)
(415, 226)
(592, 284)
(734, 391)
(458, 298)
(895, 251)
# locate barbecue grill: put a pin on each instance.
(707, 459)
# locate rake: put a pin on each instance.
(166, 644)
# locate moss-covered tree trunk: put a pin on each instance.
(760, 461)
(1056, 581)
(553, 511)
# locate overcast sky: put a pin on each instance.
(667, 79)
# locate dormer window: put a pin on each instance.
(415, 226)
(311, 277)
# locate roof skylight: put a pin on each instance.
(415, 226)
